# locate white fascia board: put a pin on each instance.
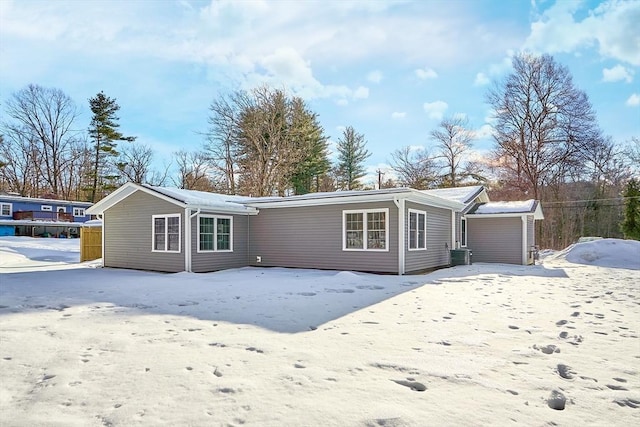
(323, 201)
(241, 210)
(499, 215)
(537, 214)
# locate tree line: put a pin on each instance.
(260, 142)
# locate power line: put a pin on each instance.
(621, 199)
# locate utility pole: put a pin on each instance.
(380, 174)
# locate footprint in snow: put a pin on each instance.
(413, 385)
(307, 294)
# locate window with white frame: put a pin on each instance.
(365, 230)
(78, 212)
(463, 232)
(166, 233)
(6, 209)
(61, 209)
(417, 230)
(215, 233)
(46, 208)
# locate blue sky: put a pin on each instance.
(390, 69)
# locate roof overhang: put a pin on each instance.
(37, 223)
(348, 197)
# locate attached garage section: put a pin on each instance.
(495, 239)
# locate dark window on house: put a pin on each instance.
(166, 233)
(214, 233)
(463, 232)
(417, 230)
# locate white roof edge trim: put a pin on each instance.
(321, 201)
(122, 193)
(505, 215)
(241, 211)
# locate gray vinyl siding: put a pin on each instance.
(311, 237)
(213, 261)
(128, 234)
(438, 239)
(495, 239)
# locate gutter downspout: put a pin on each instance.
(187, 238)
(524, 239)
(400, 203)
(453, 230)
(101, 216)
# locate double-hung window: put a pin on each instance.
(166, 233)
(46, 208)
(215, 233)
(6, 209)
(365, 230)
(78, 212)
(417, 230)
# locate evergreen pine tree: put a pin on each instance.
(312, 143)
(351, 156)
(631, 223)
(104, 133)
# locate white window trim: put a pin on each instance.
(364, 212)
(166, 237)
(79, 212)
(417, 212)
(2, 205)
(215, 234)
(61, 209)
(46, 208)
(463, 236)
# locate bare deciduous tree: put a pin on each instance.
(453, 140)
(134, 163)
(193, 171)
(45, 117)
(543, 122)
(415, 168)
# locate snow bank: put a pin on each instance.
(612, 253)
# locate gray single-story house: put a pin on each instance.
(398, 230)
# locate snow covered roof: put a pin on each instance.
(459, 194)
(506, 208)
(183, 198)
(203, 199)
(250, 205)
(18, 198)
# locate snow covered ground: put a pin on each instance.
(487, 344)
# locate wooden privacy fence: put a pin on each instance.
(90, 243)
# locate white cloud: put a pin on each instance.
(426, 73)
(612, 27)
(396, 115)
(481, 80)
(361, 93)
(617, 73)
(435, 110)
(375, 76)
(484, 132)
(633, 101)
